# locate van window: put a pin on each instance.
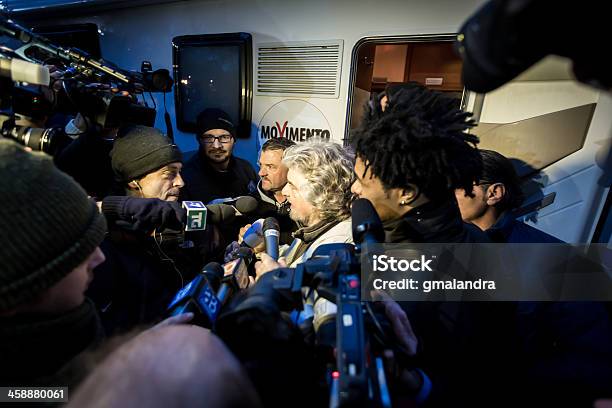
(535, 120)
(380, 62)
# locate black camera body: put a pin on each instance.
(351, 338)
(105, 108)
(29, 103)
(95, 88)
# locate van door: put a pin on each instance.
(557, 132)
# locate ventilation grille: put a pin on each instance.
(300, 68)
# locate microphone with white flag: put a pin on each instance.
(272, 235)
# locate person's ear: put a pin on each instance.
(133, 185)
(408, 195)
(495, 193)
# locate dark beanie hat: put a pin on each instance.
(140, 150)
(214, 119)
(49, 225)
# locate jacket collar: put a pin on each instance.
(281, 208)
(430, 222)
(502, 228)
(311, 233)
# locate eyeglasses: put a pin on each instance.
(209, 139)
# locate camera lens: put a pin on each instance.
(39, 139)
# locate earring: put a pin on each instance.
(403, 202)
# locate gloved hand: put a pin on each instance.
(230, 251)
(144, 214)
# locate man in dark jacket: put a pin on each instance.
(214, 172)
(567, 346)
(412, 152)
(494, 198)
(273, 177)
(140, 277)
(48, 250)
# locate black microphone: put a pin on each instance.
(367, 226)
(213, 272)
(236, 271)
(220, 213)
(198, 297)
(272, 234)
(215, 214)
(242, 204)
(236, 274)
(246, 204)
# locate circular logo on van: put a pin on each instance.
(294, 119)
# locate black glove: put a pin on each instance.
(144, 214)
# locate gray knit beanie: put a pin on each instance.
(48, 225)
(140, 150)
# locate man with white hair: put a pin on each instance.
(319, 191)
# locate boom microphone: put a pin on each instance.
(272, 234)
(9, 28)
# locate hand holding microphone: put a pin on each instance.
(250, 236)
(148, 214)
(143, 214)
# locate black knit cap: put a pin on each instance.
(213, 118)
(49, 225)
(140, 150)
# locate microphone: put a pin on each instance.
(195, 218)
(146, 214)
(198, 297)
(272, 234)
(213, 272)
(220, 213)
(198, 214)
(23, 71)
(236, 274)
(254, 235)
(242, 204)
(367, 227)
(246, 204)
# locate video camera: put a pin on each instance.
(350, 337)
(103, 93)
(28, 102)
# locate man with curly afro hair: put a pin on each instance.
(412, 152)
